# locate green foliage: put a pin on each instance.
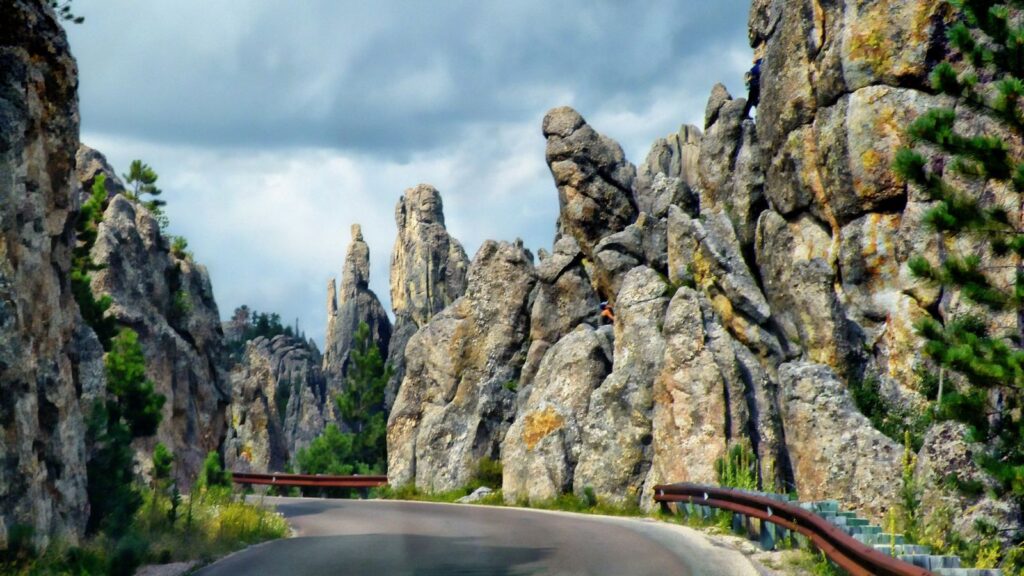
(282, 393)
(63, 10)
(181, 306)
(673, 286)
(141, 179)
(952, 169)
(136, 403)
(488, 473)
(983, 550)
(511, 386)
(253, 325)
(888, 418)
(212, 474)
(330, 453)
(132, 410)
(910, 493)
(738, 468)
(179, 248)
(361, 408)
(163, 460)
(86, 227)
(156, 535)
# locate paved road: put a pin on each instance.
(380, 537)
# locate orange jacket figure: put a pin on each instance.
(606, 312)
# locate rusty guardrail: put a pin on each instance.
(849, 554)
(309, 480)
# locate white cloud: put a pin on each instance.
(274, 126)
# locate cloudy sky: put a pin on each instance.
(276, 125)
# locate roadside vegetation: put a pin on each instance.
(362, 447)
(165, 526)
(132, 521)
(975, 181)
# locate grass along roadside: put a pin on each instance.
(201, 527)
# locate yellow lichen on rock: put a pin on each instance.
(539, 424)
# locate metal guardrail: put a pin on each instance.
(309, 480)
(849, 554)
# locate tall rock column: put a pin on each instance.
(42, 434)
(428, 271)
(595, 196)
(457, 399)
(346, 310)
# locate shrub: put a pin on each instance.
(738, 468)
(213, 474)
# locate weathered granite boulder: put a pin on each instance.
(428, 272)
(947, 455)
(594, 179)
(280, 403)
(720, 145)
(671, 174)
(353, 305)
(167, 299)
(91, 163)
(616, 450)
(835, 452)
(614, 256)
(795, 260)
(712, 391)
(706, 253)
(543, 445)
(42, 433)
(563, 299)
(457, 399)
(731, 165)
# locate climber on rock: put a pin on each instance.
(607, 313)
(753, 78)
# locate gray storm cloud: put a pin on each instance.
(275, 125)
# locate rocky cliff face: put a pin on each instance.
(280, 403)
(89, 164)
(42, 433)
(167, 299)
(757, 269)
(457, 398)
(428, 272)
(354, 304)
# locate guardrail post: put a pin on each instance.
(783, 535)
(737, 523)
(706, 512)
(767, 536)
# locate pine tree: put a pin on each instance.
(63, 10)
(361, 404)
(132, 410)
(93, 310)
(959, 172)
(141, 178)
(361, 407)
(163, 460)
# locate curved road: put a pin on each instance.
(382, 537)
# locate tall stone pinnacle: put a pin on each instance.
(353, 304)
(428, 271)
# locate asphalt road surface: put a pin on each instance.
(381, 537)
